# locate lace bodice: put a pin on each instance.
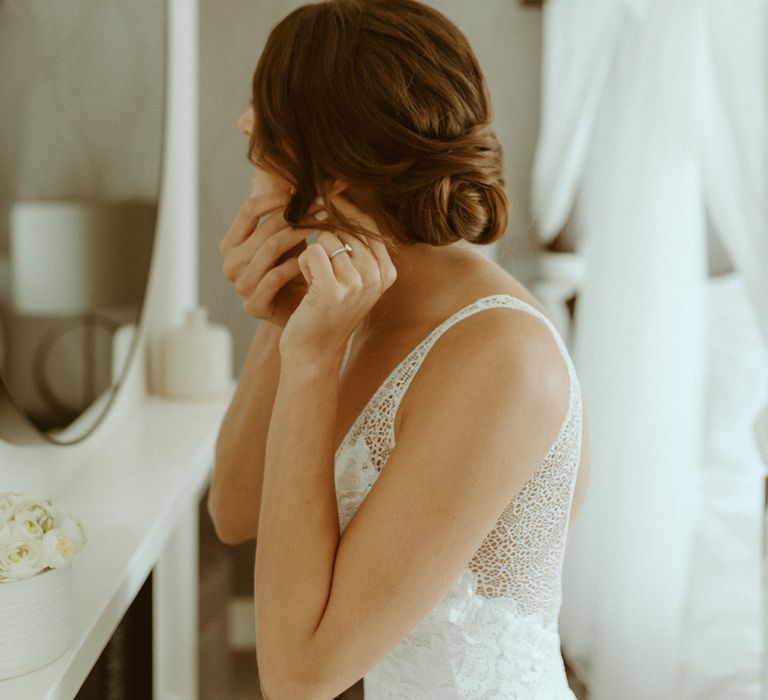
(494, 634)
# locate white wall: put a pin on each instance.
(506, 38)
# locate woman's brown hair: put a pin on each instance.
(388, 96)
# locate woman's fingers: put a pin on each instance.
(260, 302)
(274, 248)
(262, 214)
(247, 218)
(245, 264)
(357, 259)
(364, 260)
(261, 244)
(318, 271)
(237, 258)
(387, 269)
(357, 269)
(264, 253)
(353, 267)
(304, 267)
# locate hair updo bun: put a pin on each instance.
(457, 193)
(387, 96)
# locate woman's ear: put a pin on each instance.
(337, 188)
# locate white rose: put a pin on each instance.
(72, 528)
(57, 549)
(9, 503)
(26, 524)
(44, 513)
(20, 557)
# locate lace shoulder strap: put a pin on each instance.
(376, 422)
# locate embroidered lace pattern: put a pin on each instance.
(494, 634)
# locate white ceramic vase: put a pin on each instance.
(35, 621)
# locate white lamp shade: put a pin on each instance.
(68, 257)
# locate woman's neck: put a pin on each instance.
(424, 273)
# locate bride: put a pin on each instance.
(407, 443)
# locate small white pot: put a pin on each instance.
(35, 621)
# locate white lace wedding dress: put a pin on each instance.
(494, 635)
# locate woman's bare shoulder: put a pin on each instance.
(493, 340)
(498, 365)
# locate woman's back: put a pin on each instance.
(494, 633)
(369, 361)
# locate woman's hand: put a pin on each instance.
(342, 290)
(261, 258)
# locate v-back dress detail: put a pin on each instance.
(494, 634)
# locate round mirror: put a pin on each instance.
(81, 123)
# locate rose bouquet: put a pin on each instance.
(35, 536)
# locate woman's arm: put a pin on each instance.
(260, 258)
(235, 495)
(299, 530)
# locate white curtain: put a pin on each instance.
(653, 118)
(735, 151)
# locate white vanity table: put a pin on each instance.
(139, 507)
